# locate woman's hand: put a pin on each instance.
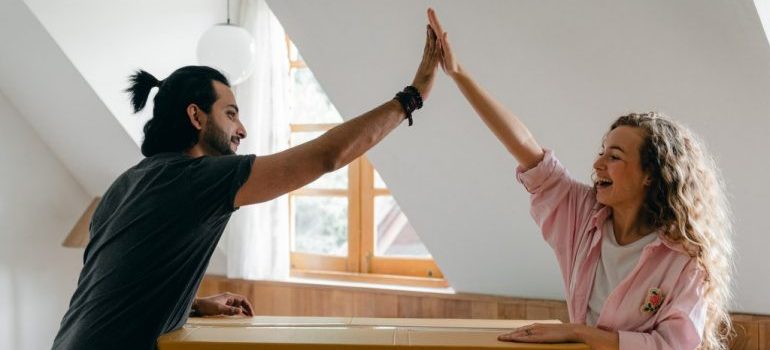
(448, 62)
(223, 304)
(542, 333)
(426, 73)
(597, 339)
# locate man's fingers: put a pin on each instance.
(246, 306)
(426, 49)
(242, 304)
(432, 47)
(232, 311)
(429, 54)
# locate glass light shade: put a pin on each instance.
(230, 49)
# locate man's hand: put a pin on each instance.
(426, 73)
(222, 304)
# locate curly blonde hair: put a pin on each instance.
(686, 198)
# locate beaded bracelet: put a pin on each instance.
(410, 100)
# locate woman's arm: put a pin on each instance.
(505, 125)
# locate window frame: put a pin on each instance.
(361, 257)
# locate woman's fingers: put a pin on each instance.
(507, 337)
(519, 335)
(434, 22)
(447, 46)
(541, 333)
(448, 56)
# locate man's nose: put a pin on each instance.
(241, 132)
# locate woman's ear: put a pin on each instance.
(196, 116)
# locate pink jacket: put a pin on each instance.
(572, 222)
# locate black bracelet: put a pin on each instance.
(410, 100)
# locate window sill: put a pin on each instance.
(372, 281)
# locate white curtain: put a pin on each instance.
(256, 241)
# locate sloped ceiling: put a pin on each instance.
(108, 40)
(45, 87)
(567, 68)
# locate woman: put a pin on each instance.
(644, 252)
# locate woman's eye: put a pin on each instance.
(614, 157)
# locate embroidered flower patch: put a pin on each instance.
(653, 301)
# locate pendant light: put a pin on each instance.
(229, 48)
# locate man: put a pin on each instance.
(157, 225)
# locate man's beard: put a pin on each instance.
(216, 140)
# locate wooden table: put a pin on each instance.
(346, 333)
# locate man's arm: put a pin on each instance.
(274, 175)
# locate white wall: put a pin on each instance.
(39, 203)
(568, 68)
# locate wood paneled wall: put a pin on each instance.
(297, 299)
(752, 332)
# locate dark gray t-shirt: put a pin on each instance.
(152, 237)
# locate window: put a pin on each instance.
(346, 224)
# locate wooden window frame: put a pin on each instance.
(361, 264)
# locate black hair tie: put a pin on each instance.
(410, 100)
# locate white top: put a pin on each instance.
(615, 263)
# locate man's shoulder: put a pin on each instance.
(152, 166)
